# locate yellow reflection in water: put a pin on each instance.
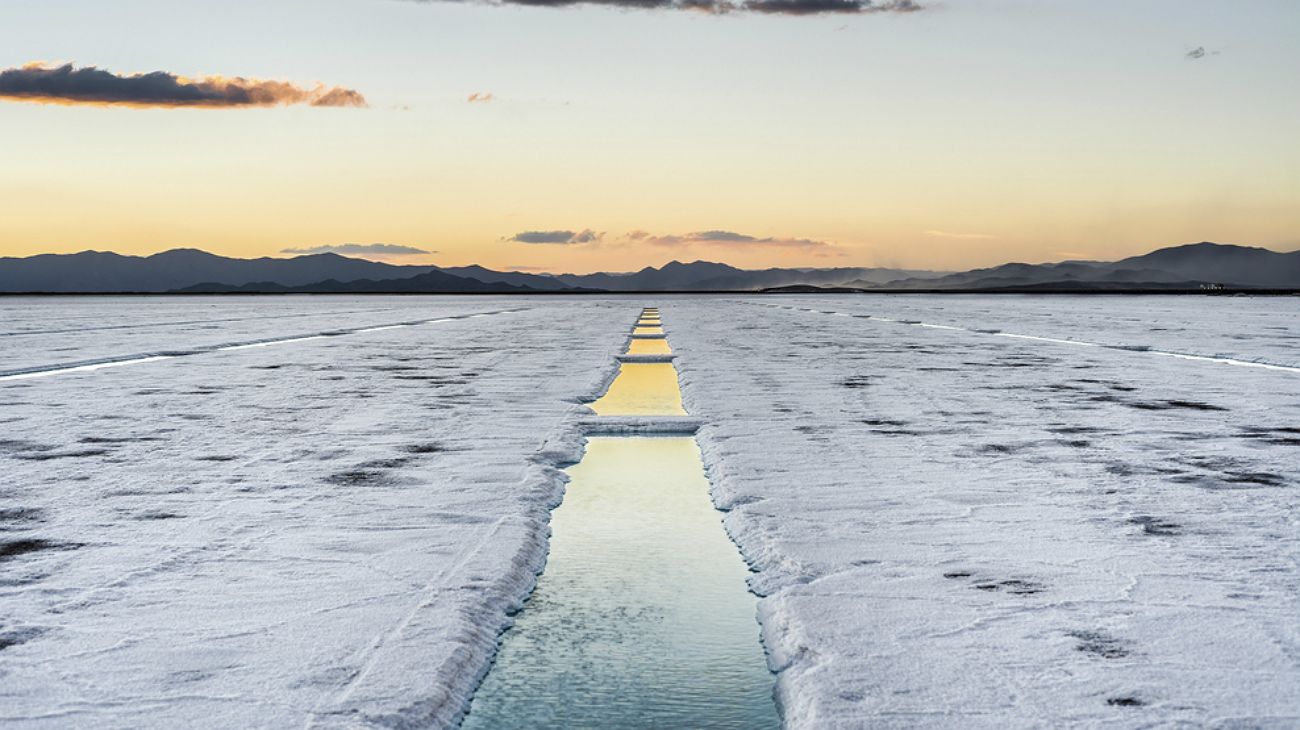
(648, 330)
(642, 389)
(649, 347)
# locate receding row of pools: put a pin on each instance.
(642, 618)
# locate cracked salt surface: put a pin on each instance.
(950, 529)
(328, 533)
(958, 530)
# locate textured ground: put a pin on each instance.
(963, 529)
(312, 533)
(950, 527)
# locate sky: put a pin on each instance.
(587, 137)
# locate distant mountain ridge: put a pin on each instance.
(430, 282)
(104, 272)
(709, 276)
(1186, 267)
(1189, 266)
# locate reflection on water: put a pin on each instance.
(642, 618)
(649, 347)
(647, 330)
(642, 389)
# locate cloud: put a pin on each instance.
(44, 84)
(961, 236)
(361, 249)
(584, 236)
(720, 7)
(725, 239)
(480, 97)
(1199, 52)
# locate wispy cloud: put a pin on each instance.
(480, 97)
(361, 249)
(64, 84)
(720, 7)
(961, 236)
(558, 237)
(1199, 52)
(727, 239)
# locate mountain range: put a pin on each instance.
(1192, 266)
(1188, 267)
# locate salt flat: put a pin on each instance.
(957, 529)
(320, 533)
(949, 527)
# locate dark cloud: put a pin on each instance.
(1200, 52)
(362, 249)
(728, 236)
(719, 7)
(727, 239)
(42, 84)
(583, 236)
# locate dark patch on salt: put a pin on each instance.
(1279, 435)
(1123, 469)
(1000, 448)
(19, 446)
(359, 478)
(15, 548)
(1156, 526)
(857, 381)
(157, 515)
(51, 455)
(116, 439)
(1101, 644)
(1124, 702)
(1014, 586)
(1227, 473)
(433, 379)
(216, 457)
(1168, 405)
(1074, 430)
(957, 574)
(394, 463)
(19, 515)
(14, 637)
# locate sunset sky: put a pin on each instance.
(962, 133)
